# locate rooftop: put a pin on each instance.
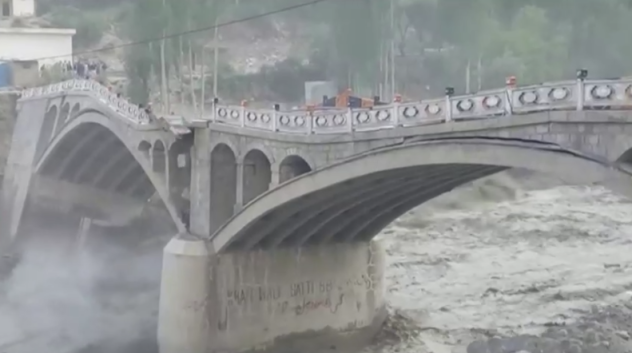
(56, 31)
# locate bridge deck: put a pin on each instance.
(565, 95)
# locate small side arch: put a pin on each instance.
(257, 175)
(65, 112)
(144, 147)
(261, 148)
(293, 166)
(222, 140)
(51, 113)
(48, 126)
(223, 184)
(74, 112)
(159, 157)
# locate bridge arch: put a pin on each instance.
(257, 174)
(96, 151)
(293, 166)
(356, 198)
(223, 184)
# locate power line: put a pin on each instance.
(179, 34)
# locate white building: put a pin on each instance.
(46, 45)
(17, 8)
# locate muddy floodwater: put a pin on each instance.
(503, 265)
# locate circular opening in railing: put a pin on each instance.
(382, 115)
(221, 112)
(251, 116)
(530, 97)
(339, 119)
(321, 121)
(362, 117)
(559, 93)
(491, 102)
(265, 118)
(433, 109)
(234, 114)
(299, 121)
(410, 112)
(465, 105)
(284, 120)
(601, 91)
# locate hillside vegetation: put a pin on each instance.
(470, 45)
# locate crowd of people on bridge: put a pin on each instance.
(84, 69)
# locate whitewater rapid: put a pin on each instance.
(495, 258)
(546, 258)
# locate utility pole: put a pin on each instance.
(203, 93)
(215, 56)
(163, 69)
(393, 89)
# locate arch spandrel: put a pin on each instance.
(535, 156)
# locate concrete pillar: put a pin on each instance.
(183, 321)
(279, 300)
(26, 146)
(275, 176)
(200, 195)
(240, 188)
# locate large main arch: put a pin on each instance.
(94, 151)
(356, 198)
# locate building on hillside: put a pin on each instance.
(17, 8)
(46, 45)
(25, 47)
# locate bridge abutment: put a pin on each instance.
(281, 300)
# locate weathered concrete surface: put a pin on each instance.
(20, 166)
(8, 114)
(282, 300)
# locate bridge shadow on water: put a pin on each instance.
(64, 294)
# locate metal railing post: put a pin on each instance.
(581, 95)
(449, 92)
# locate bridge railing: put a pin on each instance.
(123, 107)
(565, 95)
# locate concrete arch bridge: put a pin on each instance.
(275, 211)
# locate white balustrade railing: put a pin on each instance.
(568, 95)
(123, 107)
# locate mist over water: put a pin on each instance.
(509, 255)
(101, 298)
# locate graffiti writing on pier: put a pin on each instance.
(295, 299)
(242, 296)
(310, 305)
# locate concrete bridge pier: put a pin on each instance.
(311, 299)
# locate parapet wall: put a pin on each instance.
(285, 300)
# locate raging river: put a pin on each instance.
(515, 262)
